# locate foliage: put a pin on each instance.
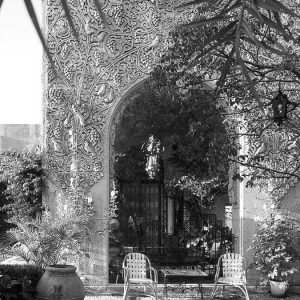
(19, 281)
(194, 142)
(58, 236)
(44, 237)
(113, 201)
(203, 191)
(244, 36)
(245, 50)
(130, 165)
(22, 181)
(274, 255)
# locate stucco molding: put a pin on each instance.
(94, 71)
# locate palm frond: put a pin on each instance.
(278, 29)
(196, 2)
(36, 24)
(248, 31)
(275, 6)
(226, 68)
(275, 51)
(254, 11)
(211, 21)
(248, 78)
(209, 50)
(225, 34)
(69, 17)
(277, 18)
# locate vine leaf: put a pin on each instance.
(35, 22)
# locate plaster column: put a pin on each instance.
(247, 204)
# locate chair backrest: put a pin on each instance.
(233, 266)
(137, 265)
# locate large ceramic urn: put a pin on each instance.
(60, 282)
(278, 288)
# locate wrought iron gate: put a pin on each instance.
(143, 214)
(170, 231)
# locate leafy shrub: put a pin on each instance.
(22, 181)
(274, 253)
(58, 236)
(43, 236)
(18, 281)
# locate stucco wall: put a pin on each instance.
(291, 200)
(19, 136)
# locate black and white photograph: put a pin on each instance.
(149, 149)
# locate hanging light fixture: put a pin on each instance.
(153, 157)
(280, 106)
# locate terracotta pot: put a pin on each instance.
(278, 288)
(60, 282)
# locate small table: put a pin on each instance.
(185, 276)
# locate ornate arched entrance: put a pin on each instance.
(168, 225)
(84, 99)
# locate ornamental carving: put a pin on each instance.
(93, 71)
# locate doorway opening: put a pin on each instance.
(167, 205)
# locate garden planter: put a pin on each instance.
(60, 282)
(278, 288)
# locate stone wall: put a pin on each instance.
(19, 136)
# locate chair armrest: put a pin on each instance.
(154, 271)
(125, 274)
(217, 273)
(244, 277)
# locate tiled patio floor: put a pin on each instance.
(115, 293)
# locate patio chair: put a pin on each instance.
(231, 271)
(137, 271)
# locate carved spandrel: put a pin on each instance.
(93, 73)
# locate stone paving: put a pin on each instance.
(252, 297)
(115, 293)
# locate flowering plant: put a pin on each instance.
(274, 254)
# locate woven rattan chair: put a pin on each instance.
(231, 271)
(137, 271)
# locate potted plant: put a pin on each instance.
(274, 255)
(52, 242)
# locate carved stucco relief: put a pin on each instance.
(93, 71)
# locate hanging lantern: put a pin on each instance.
(153, 151)
(279, 104)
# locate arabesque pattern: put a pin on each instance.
(94, 70)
